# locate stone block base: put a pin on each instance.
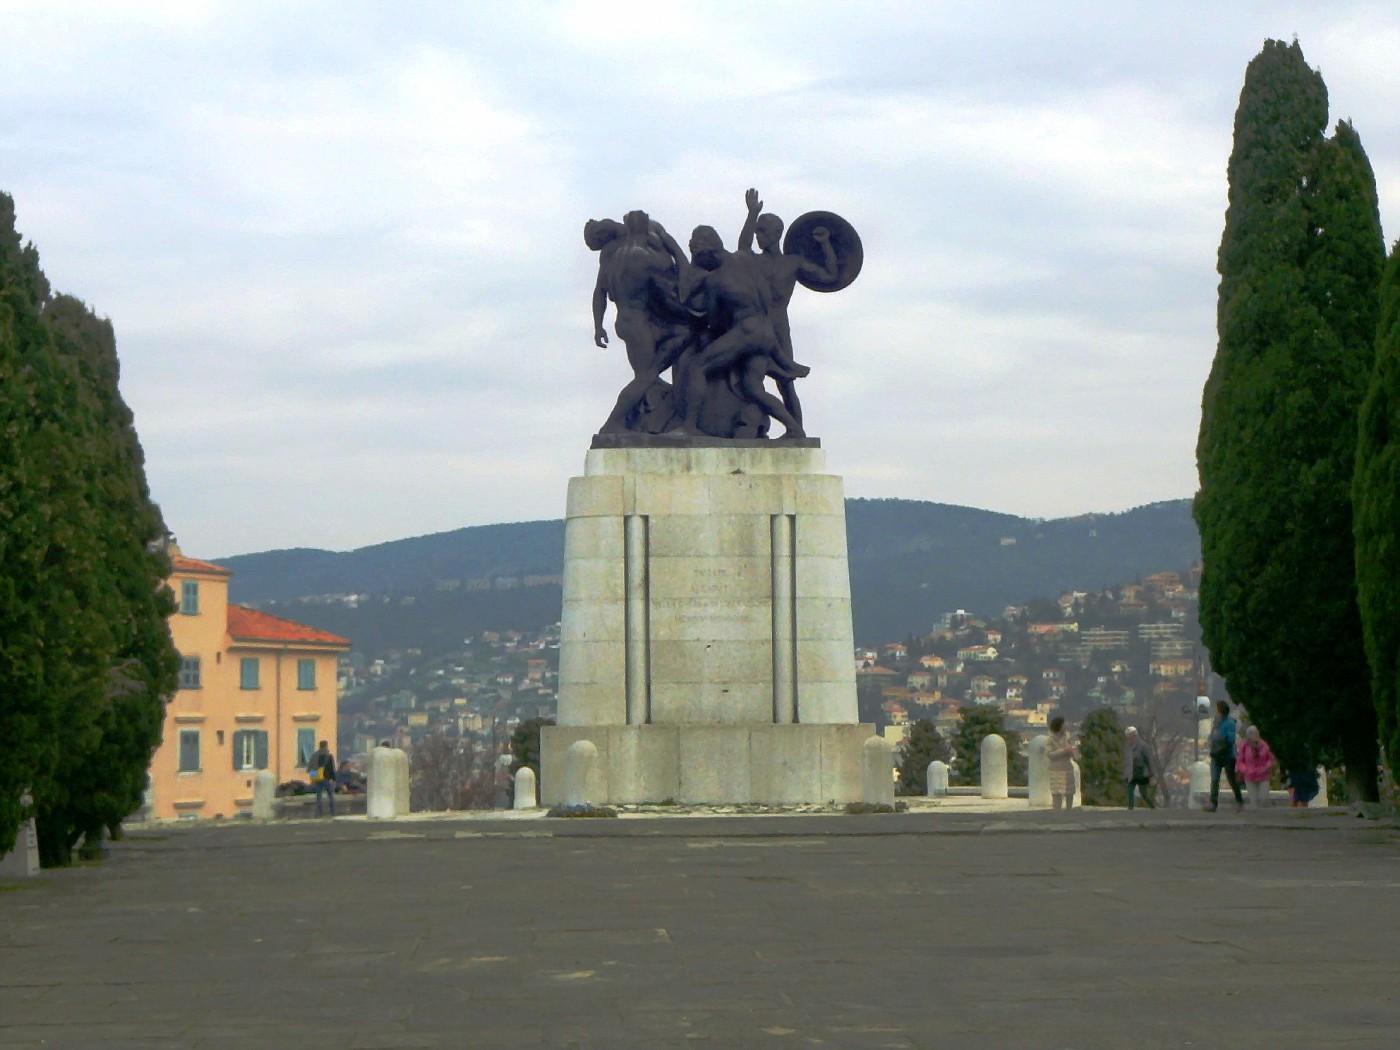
(700, 763)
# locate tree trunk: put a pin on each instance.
(1360, 753)
(52, 833)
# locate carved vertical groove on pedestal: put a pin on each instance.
(638, 626)
(784, 603)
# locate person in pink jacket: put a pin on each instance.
(1254, 762)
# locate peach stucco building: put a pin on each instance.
(256, 692)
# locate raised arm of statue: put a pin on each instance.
(746, 234)
(826, 272)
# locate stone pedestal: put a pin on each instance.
(937, 781)
(1199, 791)
(993, 755)
(386, 786)
(525, 794)
(22, 862)
(706, 645)
(1038, 774)
(264, 794)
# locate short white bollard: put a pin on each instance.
(264, 794)
(993, 766)
(386, 786)
(937, 778)
(1320, 799)
(1038, 773)
(578, 763)
(1199, 790)
(148, 801)
(525, 789)
(1078, 796)
(876, 768)
(22, 862)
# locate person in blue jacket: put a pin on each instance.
(1222, 757)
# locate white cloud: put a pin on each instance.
(341, 242)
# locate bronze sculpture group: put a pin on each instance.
(716, 320)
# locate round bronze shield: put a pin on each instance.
(844, 241)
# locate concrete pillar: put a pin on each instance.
(1078, 795)
(264, 794)
(1199, 791)
(937, 778)
(578, 763)
(386, 788)
(993, 766)
(1038, 773)
(148, 801)
(876, 772)
(525, 788)
(1321, 799)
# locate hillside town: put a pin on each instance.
(479, 692)
(1134, 648)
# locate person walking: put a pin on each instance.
(1137, 767)
(1254, 762)
(322, 770)
(1222, 757)
(1061, 752)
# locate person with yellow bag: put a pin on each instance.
(322, 771)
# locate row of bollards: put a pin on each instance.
(388, 782)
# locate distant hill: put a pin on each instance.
(911, 561)
(406, 566)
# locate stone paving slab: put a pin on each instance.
(1091, 929)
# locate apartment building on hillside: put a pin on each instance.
(256, 692)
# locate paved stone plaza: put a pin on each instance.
(1097, 929)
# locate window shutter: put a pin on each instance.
(238, 748)
(259, 749)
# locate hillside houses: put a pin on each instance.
(481, 690)
(1120, 647)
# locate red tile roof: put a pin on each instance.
(180, 563)
(250, 625)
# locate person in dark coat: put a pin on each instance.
(1137, 767)
(322, 771)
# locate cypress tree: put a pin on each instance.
(1376, 497)
(1101, 759)
(53, 640)
(1299, 262)
(109, 783)
(85, 656)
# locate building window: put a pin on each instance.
(248, 672)
(189, 597)
(249, 749)
(189, 751)
(189, 672)
(306, 747)
(306, 674)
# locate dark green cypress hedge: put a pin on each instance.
(1299, 265)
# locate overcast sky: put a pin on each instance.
(341, 245)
